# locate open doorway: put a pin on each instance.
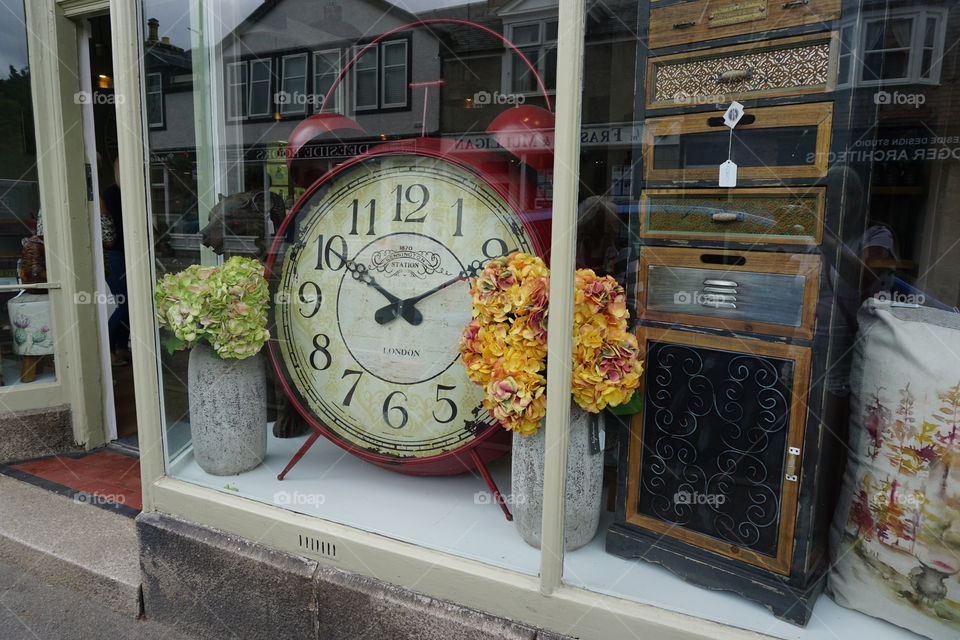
(100, 134)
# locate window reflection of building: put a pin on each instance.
(902, 46)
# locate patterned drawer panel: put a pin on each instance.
(751, 291)
(712, 458)
(781, 215)
(792, 66)
(711, 19)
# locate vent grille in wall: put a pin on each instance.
(321, 547)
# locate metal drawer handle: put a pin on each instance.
(717, 298)
(734, 75)
(724, 290)
(727, 216)
(688, 23)
(718, 305)
(794, 3)
(720, 283)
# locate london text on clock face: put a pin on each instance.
(375, 298)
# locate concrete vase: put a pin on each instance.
(581, 514)
(228, 411)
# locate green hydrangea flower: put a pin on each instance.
(225, 306)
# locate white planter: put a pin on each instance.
(228, 411)
(581, 512)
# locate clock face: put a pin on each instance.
(372, 280)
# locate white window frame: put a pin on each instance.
(261, 62)
(382, 70)
(920, 15)
(540, 47)
(355, 73)
(328, 55)
(156, 94)
(235, 100)
(294, 107)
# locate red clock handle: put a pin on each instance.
(429, 21)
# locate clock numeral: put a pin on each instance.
(397, 410)
(372, 208)
(347, 399)
(499, 248)
(448, 402)
(416, 194)
(459, 205)
(328, 254)
(305, 297)
(321, 349)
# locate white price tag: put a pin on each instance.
(728, 174)
(733, 114)
(603, 438)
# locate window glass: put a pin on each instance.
(27, 331)
(292, 97)
(155, 115)
(776, 237)
(260, 99)
(371, 214)
(365, 80)
(326, 68)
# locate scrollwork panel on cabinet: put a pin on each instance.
(710, 454)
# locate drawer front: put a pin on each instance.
(792, 66)
(711, 19)
(713, 456)
(781, 215)
(791, 141)
(773, 298)
(750, 291)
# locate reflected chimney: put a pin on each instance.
(332, 12)
(154, 27)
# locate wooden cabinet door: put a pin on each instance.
(714, 457)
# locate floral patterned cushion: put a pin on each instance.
(30, 322)
(895, 538)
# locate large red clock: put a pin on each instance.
(369, 272)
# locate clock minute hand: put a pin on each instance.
(406, 308)
(360, 273)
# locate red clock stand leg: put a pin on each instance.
(299, 454)
(482, 468)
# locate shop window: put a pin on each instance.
(260, 103)
(538, 42)
(155, 105)
(326, 67)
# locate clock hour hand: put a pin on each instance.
(406, 308)
(360, 273)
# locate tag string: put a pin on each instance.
(730, 146)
